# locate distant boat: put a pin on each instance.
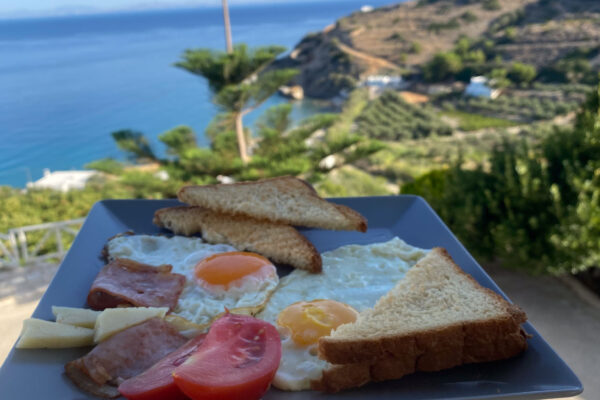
(366, 8)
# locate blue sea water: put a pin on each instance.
(66, 83)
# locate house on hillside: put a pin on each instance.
(479, 87)
(384, 81)
(377, 84)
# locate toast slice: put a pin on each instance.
(280, 243)
(285, 200)
(437, 317)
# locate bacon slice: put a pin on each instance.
(157, 382)
(129, 283)
(122, 356)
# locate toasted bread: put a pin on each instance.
(437, 317)
(280, 243)
(286, 200)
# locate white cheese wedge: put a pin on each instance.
(75, 316)
(113, 320)
(38, 334)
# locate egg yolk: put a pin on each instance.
(224, 270)
(309, 320)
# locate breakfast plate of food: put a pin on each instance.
(265, 290)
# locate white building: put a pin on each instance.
(384, 81)
(478, 87)
(62, 180)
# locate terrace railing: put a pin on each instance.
(18, 248)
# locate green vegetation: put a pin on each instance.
(574, 68)
(467, 59)
(521, 73)
(415, 48)
(473, 122)
(351, 181)
(468, 17)
(396, 37)
(437, 27)
(529, 196)
(106, 165)
(513, 107)
(443, 66)
(491, 5)
(391, 118)
(535, 208)
(237, 80)
(135, 145)
(18, 208)
(279, 149)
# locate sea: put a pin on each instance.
(67, 82)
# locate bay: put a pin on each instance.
(66, 83)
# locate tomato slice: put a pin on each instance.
(157, 382)
(238, 360)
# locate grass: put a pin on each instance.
(356, 102)
(472, 122)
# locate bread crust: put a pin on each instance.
(393, 356)
(280, 243)
(346, 376)
(286, 200)
(476, 335)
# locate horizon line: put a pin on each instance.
(87, 11)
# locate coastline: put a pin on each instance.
(64, 122)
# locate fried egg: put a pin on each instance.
(307, 306)
(217, 276)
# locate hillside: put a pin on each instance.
(403, 37)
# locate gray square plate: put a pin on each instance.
(537, 373)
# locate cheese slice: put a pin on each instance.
(185, 327)
(113, 320)
(38, 333)
(75, 316)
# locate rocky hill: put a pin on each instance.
(403, 37)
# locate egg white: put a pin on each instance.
(357, 275)
(195, 303)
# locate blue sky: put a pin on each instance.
(35, 8)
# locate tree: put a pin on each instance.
(498, 78)
(179, 139)
(238, 80)
(135, 144)
(578, 180)
(521, 73)
(442, 66)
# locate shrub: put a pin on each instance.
(415, 48)
(443, 66)
(521, 73)
(107, 165)
(396, 36)
(534, 208)
(468, 17)
(437, 27)
(491, 5)
(391, 118)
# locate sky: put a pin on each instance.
(40, 8)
